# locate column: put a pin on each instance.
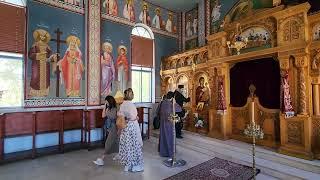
(315, 97)
(93, 53)
(301, 64)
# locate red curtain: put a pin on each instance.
(12, 30)
(142, 51)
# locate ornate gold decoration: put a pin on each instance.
(284, 63)
(295, 131)
(316, 60)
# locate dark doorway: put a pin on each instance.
(264, 74)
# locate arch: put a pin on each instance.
(138, 30)
(144, 31)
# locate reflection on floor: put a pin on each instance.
(193, 148)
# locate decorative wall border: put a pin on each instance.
(93, 63)
(208, 20)
(183, 27)
(124, 21)
(28, 103)
(63, 5)
(202, 23)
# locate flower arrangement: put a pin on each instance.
(199, 122)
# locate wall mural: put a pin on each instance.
(257, 37)
(191, 29)
(226, 11)
(191, 23)
(55, 65)
(141, 11)
(316, 32)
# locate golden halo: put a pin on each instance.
(122, 47)
(38, 32)
(73, 38)
(107, 44)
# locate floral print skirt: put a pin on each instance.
(130, 146)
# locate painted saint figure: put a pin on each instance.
(122, 68)
(216, 13)
(202, 94)
(111, 7)
(195, 24)
(189, 26)
(39, 54)
(144, 15)
(169, 26)
(71, 67)
(107, 69)
(156, 21)
(128, 11)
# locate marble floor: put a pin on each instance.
(77, 165)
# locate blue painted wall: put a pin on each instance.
(164, 46)
(121, 34)
(68, 22)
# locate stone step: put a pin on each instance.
(271, 163)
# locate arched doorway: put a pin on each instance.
(264, 74)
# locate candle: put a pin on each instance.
(173, 105)
(252, 111)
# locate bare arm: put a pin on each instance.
(104, 111)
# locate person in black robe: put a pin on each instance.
(180, 99)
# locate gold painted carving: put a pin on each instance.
(291, 29)
(284, 63)
(295, 132)
(315, 60)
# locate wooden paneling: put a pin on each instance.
(94, 118)
(18, 124)
(48, 121)
(72, 119)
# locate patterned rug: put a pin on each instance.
(216, 169)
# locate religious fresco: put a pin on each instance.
(115, 58)
(316, 32)
(227, 11)
(138, 11)
(191, 22)
(202, 92)
(55, 65)
(257, 37)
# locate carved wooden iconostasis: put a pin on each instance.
(286, 35)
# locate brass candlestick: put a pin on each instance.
(253, 130)
(173, 162)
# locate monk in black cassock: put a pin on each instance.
(180, 99)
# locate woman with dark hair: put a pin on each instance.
(130, 145)
(109, 113)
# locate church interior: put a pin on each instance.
(249, 69)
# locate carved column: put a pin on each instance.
(93, 63)
(301, 63)
(285, 95)
(315, 96)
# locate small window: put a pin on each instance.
(16, 2)
(11, 79)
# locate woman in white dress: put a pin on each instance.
(130, 146)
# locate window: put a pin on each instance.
(11, 79)
(15, 2)
(142, 69)
(142, 84)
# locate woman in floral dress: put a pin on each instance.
(130, 146)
